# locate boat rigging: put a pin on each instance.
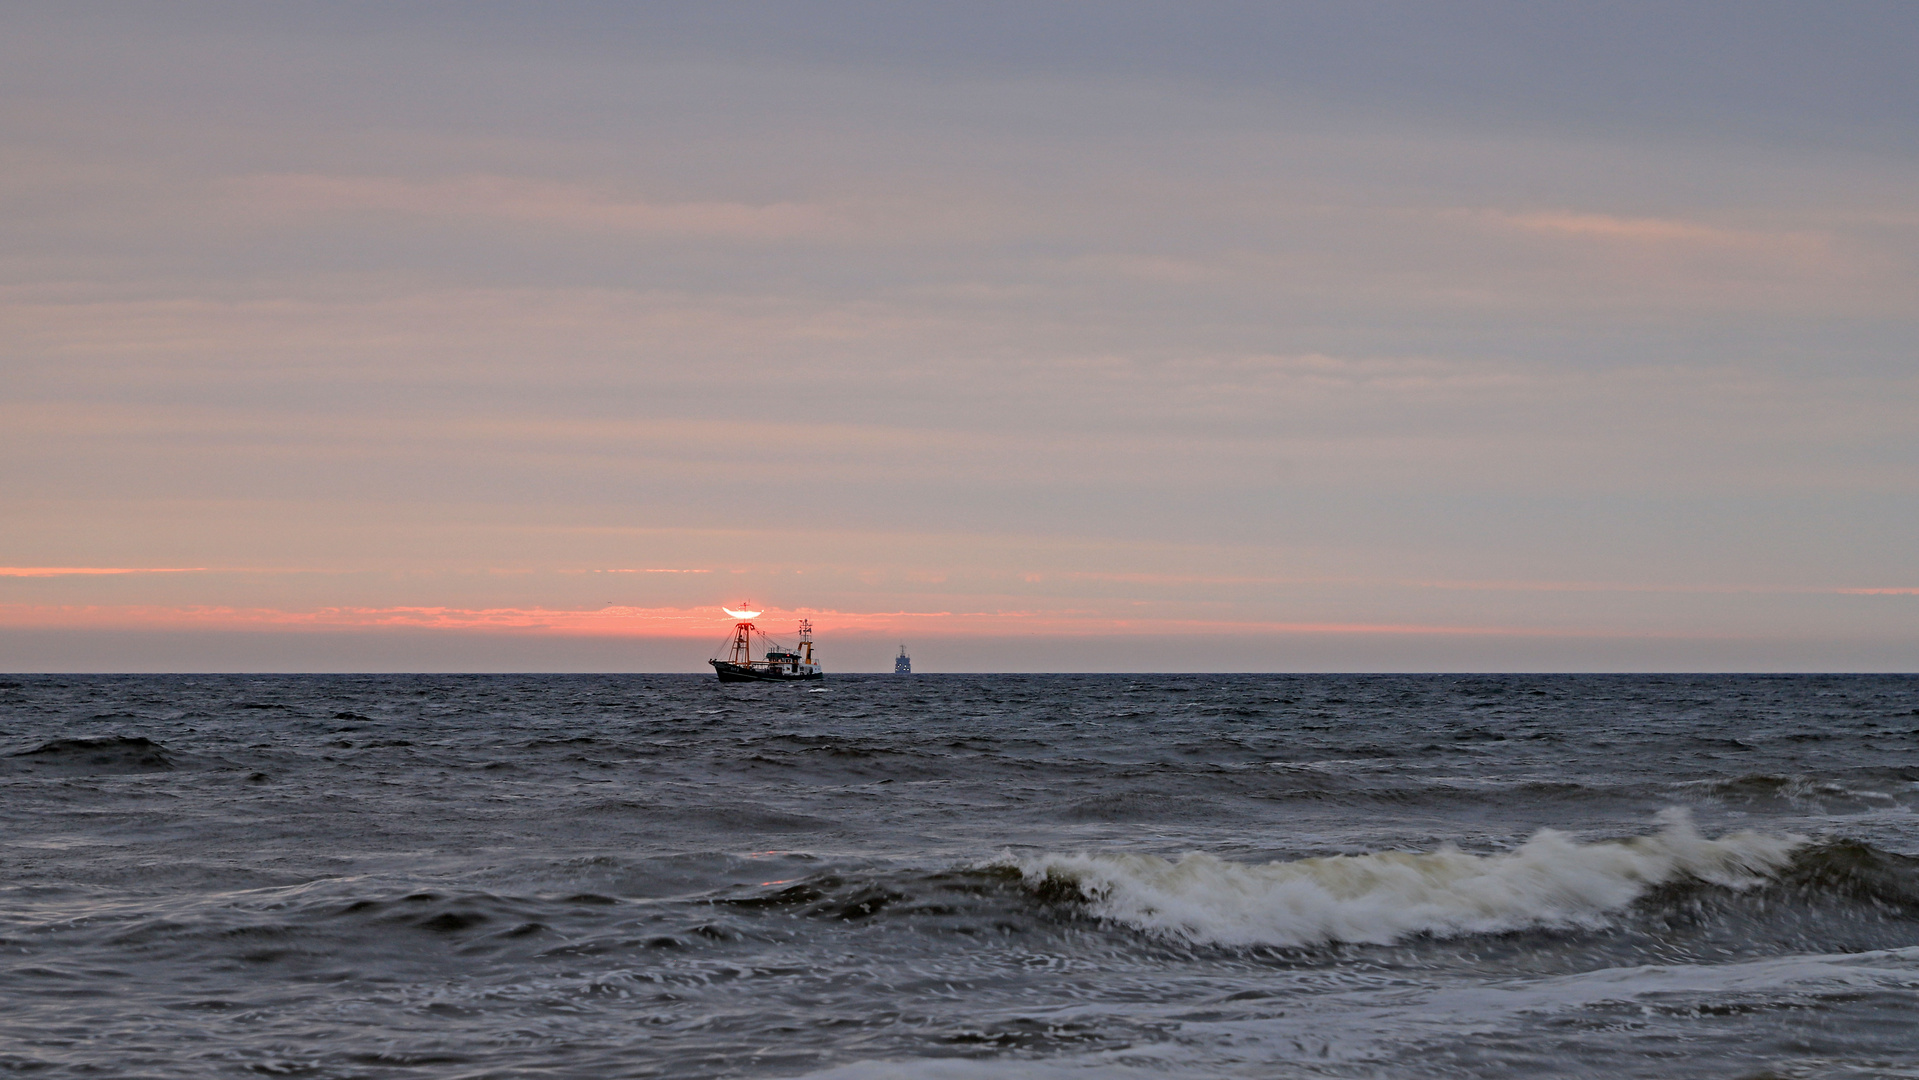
(780, 664)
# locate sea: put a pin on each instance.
(959, 876)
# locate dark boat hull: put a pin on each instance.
(729, 672)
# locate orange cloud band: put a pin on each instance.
(701, 622)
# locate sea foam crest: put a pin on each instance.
(1550, 881)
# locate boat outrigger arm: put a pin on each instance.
(781, 664)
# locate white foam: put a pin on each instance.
(1550, 881)
(1376, 1025)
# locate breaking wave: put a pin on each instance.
(1550, 882)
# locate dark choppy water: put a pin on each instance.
(960, 876)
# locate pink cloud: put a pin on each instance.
(1666, 239)
(1641, 230)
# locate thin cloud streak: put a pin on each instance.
(1148, 579)
(661, 570)
(76, 571)
(1671, 231)
(515, 199)
(1610, 587)
(1153, 579)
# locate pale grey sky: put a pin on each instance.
(1331, 336)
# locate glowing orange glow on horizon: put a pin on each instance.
(614, 621)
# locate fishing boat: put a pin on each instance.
(780, 665)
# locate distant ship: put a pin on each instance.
(902, 664)
(781, 664)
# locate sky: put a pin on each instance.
(1040, 336)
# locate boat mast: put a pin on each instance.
(742, 644)
(806, 639)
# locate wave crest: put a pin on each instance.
(1551, 881)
